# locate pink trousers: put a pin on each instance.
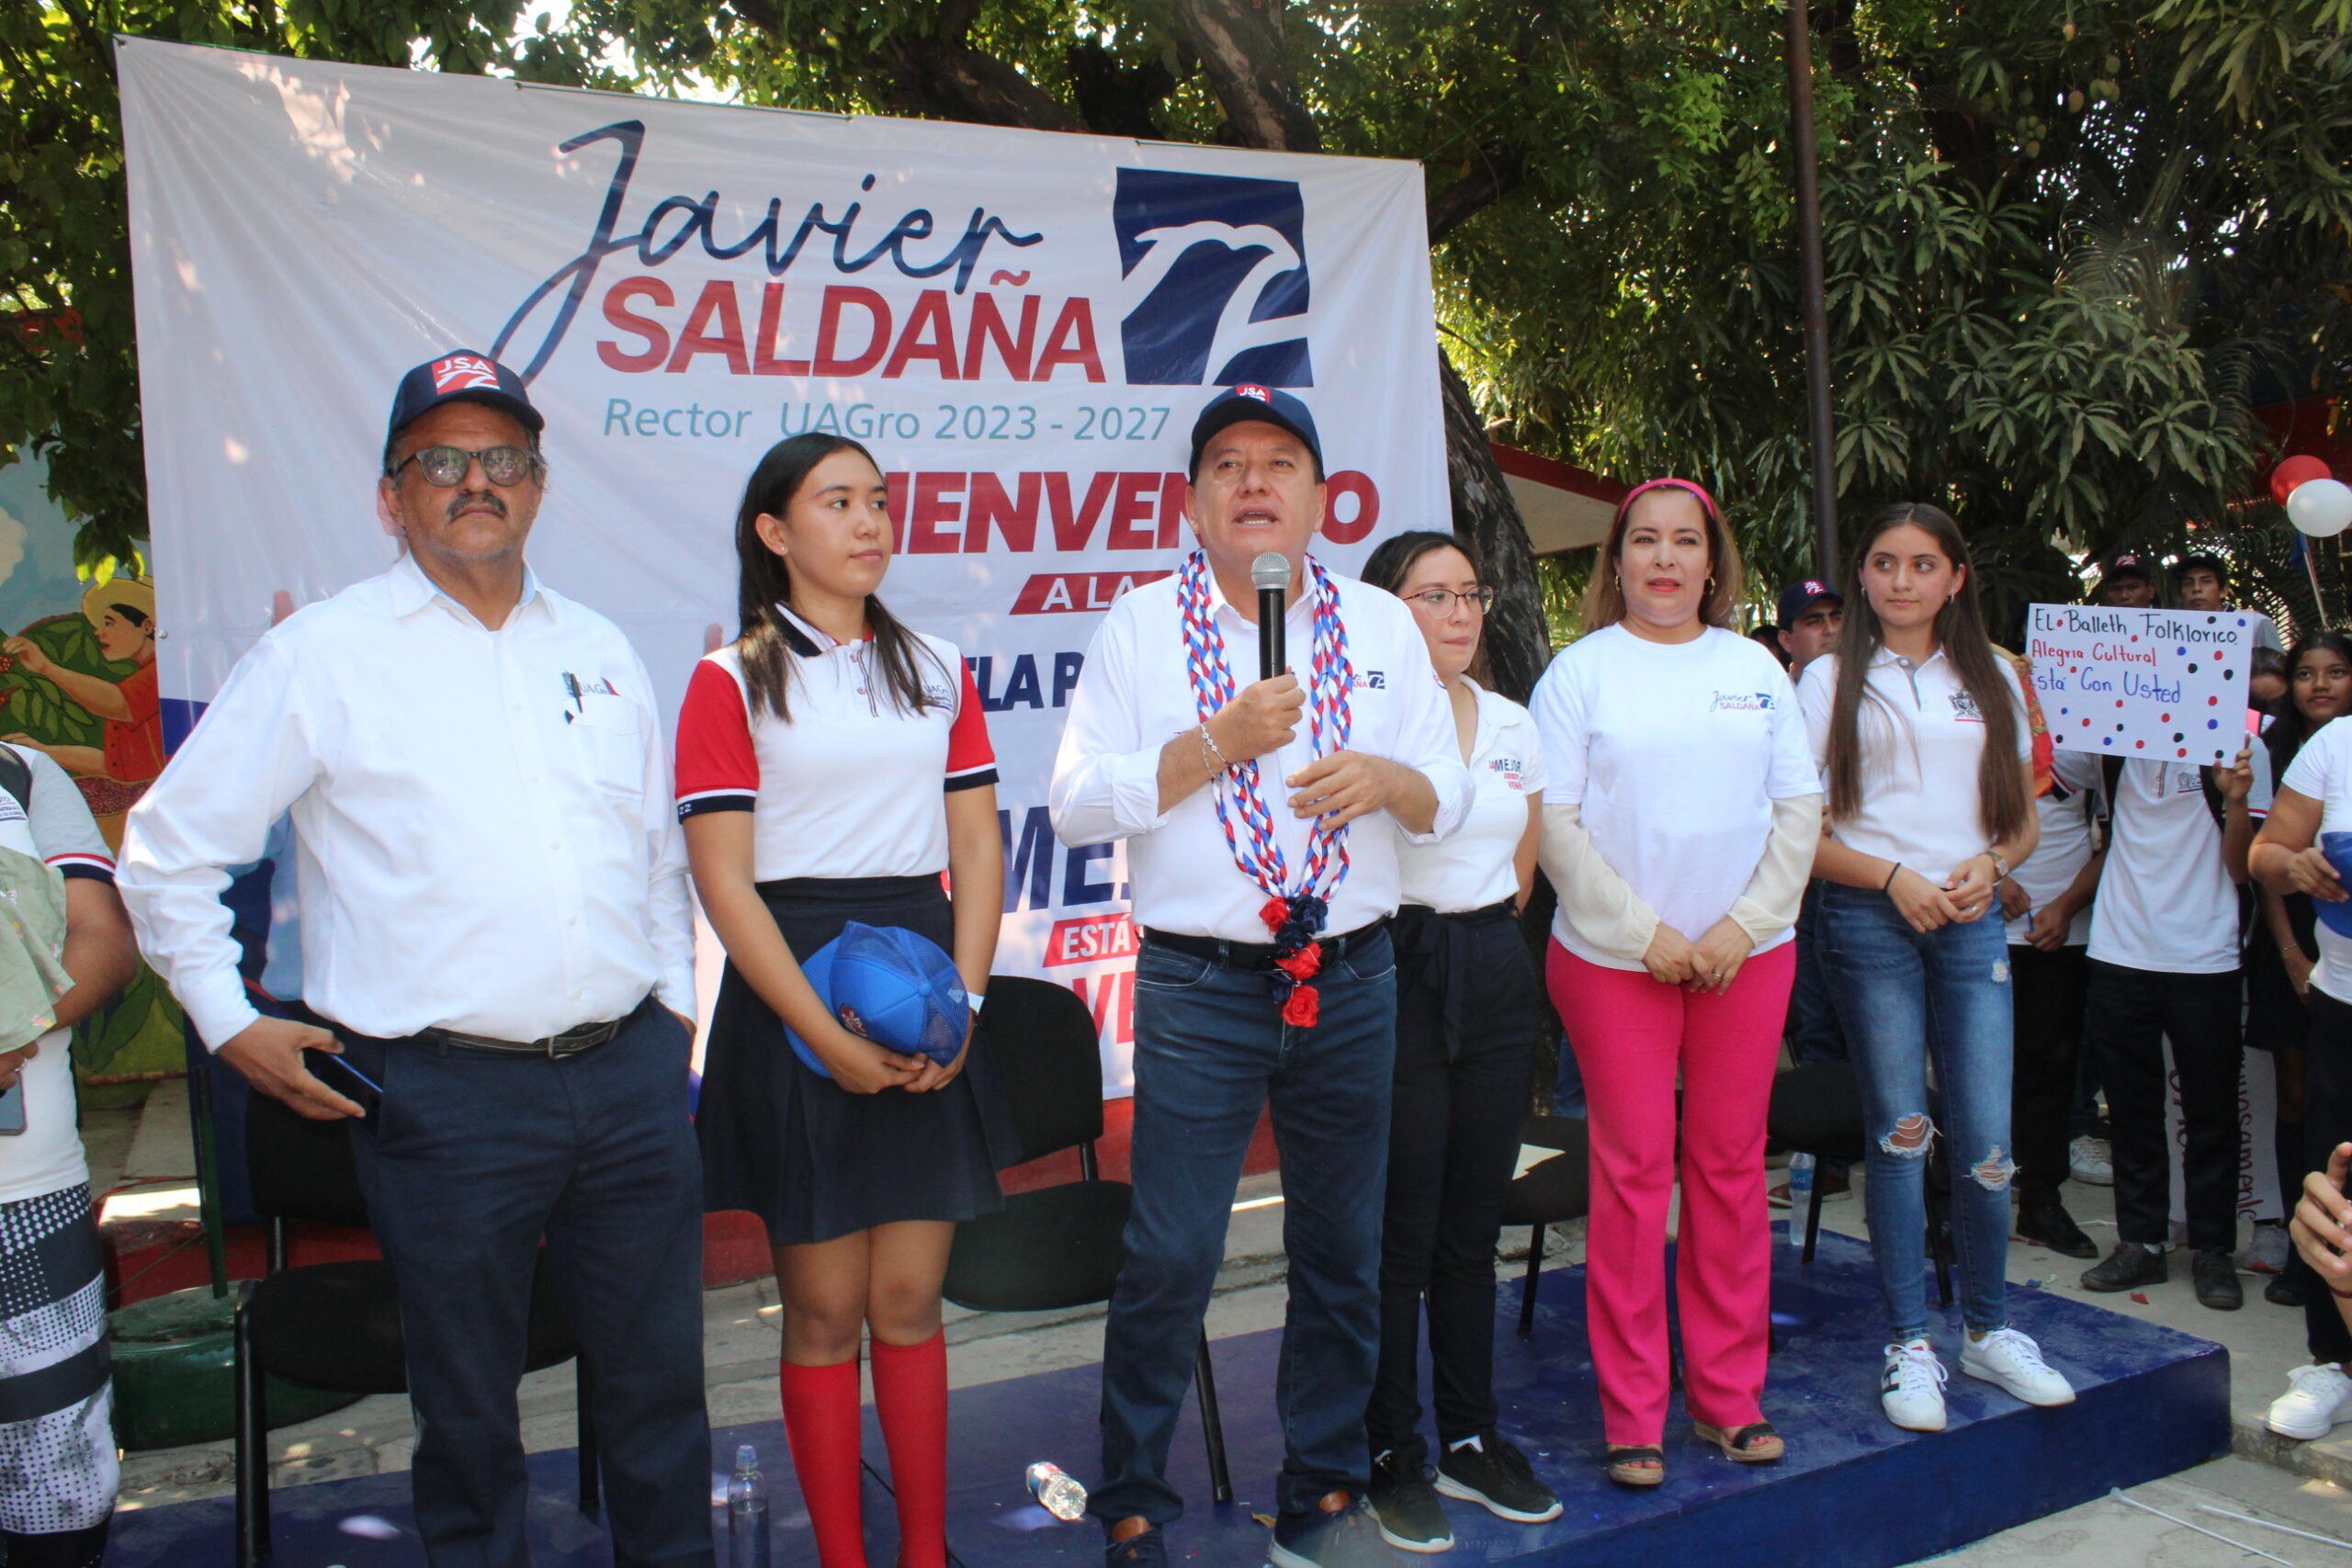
(1633, 1038)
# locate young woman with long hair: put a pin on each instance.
(1679, 826)
(1466, 1022)
(1920, 731)
(832, 764)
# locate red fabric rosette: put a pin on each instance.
(1300, 1009)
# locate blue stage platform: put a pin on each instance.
(1854, 1493)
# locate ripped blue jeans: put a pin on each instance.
(1904, 998)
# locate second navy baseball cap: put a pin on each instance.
(1248, 401)
(461, 374)
(1803, 595)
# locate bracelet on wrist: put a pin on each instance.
(1212, 756)
(1890, 877)
(2339, 1295)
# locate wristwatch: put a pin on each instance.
(2000, 866)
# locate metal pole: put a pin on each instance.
(1810, 291)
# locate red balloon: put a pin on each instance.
(2292, 472)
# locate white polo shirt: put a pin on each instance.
(57, 827)
(2165, 901)
(850, 785)
(2322, 771)
(1135, 696)
(2065, 811)
(1675, 752)
(1474, 866)
(484, 833)
(1921, 740)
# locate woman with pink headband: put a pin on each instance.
(1679, 826)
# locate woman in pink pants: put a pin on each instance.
(1678, 825)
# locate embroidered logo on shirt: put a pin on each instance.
(1963, 707)
(1374, 679)
(937, 695)
(1741, 702)
(1510, 769)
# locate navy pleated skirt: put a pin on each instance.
(811, 1159)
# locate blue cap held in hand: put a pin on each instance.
(888, 985)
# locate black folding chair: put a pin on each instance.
(1058, 1246)
(1548, 1192)
(1817, 1111)
(336, 1325)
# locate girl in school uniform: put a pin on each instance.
(1467, 1021)
(1920, 732)
(832, 764)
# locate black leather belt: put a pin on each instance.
(570, 1043)
(1257, 955)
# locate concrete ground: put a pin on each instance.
(2307, 1486)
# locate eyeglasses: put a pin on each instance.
(444, 467)
(1439, 600)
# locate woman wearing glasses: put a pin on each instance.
(1467, 1021)
(1679, 826)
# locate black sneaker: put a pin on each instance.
(1489, 1471)
(2127, 1268)
(1405, 1504)
(2216, 1280)
(2045, 1222)
(1149, 1549)
(2285, 1290)
(1344, 1537)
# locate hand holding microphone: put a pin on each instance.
(1265, 717)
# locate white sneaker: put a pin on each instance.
(2090, 1161)
(2014, 1361)
(2265, 1250)
(2316, 1399)
(1911, 1390)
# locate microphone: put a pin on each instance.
(1270, 574)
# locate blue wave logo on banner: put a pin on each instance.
(1216, 284)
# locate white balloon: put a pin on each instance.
(2321, 508)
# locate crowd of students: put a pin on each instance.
(1857, 857)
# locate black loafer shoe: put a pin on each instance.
(2285, 1290)
(2128, 1268)
(2048, 1224)
(2216, 1280)
(1149, 1549)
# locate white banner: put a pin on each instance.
(1022, 326)
(2162, 685)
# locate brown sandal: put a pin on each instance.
(1639, 1466)
(1755, 1443)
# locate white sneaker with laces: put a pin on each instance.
(2090, 1161)
(1911, 1390)
(2014, 1361)
(2265, 1250)
(2316, 1399)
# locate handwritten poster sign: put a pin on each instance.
(2150, 684)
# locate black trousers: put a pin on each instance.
(2128, 1015)
(2328, 1121)
(1466, 1017)
(2047, 989)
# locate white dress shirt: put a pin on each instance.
(1134, 697)
(1477, 864)
(485, 840)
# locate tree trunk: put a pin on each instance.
(1518, 642)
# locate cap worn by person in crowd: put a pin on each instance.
(2128, 563)
(1267, 405)
(462, 376)
(891, 986)
(1803, 595)
(2201, 561)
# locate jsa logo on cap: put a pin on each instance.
(464, 373)
(1257, 393)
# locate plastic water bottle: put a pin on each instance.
(1800, 1196)
(1060, 1495)
(747, 1512)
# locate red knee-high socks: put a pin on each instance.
(820, 1421)
(911, 1396)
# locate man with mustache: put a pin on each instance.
(496, 945)
(1260, 820)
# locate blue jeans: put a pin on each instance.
(476, 1156)
(1903, 996)
(1211, 1050)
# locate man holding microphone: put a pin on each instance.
(1259, 822)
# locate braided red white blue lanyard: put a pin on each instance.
(1294, 915)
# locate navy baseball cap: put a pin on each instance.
(462, 376)
(1803, 595)
(892, 986)
(1248, 401)
(2128, 563)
